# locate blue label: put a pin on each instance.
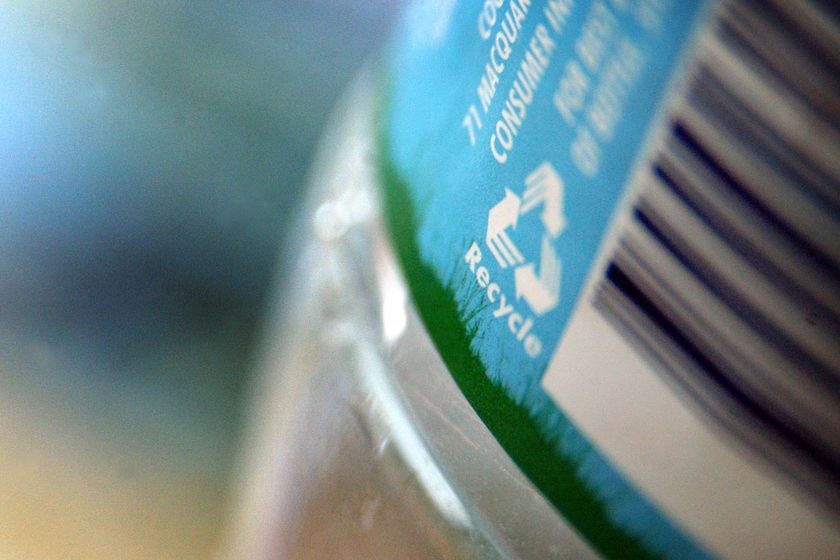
(519, 136)
(515, 125)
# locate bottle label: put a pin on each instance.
(515, 137)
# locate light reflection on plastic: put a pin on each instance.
(394, 297)
(406, 440)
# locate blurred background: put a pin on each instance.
(151, 157)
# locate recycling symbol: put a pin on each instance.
(543, 187)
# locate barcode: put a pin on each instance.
(728, 273)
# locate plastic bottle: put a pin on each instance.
(570, 291)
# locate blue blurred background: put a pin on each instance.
(151, 156)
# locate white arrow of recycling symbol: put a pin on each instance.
(545, 186)
(541, 292)
(502, 216)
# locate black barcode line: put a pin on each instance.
(786, 59)
(816, 21)
(829, 8)
(710, 96)
(774, 42)
(750, 231)
(700, 155)
(792, 328)
(782, 199)
(777, 105)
